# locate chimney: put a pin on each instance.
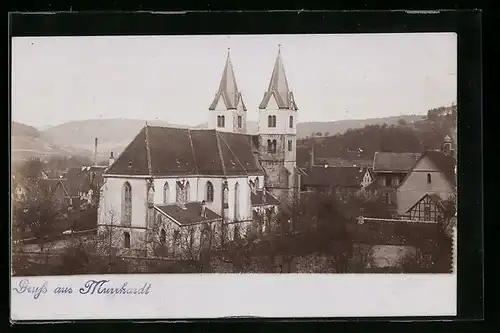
(203, 209)
(312, 155)
(111, 159)
(95, 151)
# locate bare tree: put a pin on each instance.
(35, 217)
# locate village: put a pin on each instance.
(221, 200)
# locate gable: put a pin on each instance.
(220, 105)
(272, 104)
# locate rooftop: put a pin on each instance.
(163, 151)
(394, 162)
(188, 216)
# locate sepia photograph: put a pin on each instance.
(234, 154)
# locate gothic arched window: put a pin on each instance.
(236, 201)
(209, 192)
(165, 193)
(291, 122)
(274, 121)
(225, 196)
(274, 146)
(126, 240)
(127, 204)
(163, 236)
(187, 194)
(429, 178)
(269, 146)
(178, 192)
(256, 183)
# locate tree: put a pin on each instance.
(31, 170)
(402, 122)
(35, 216)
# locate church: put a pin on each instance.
(178, 188)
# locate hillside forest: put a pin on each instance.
(417, 136)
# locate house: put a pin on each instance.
(81, 183)
(433, 173)
(264, 207)
(340, 181)
(389, 170)
(190, 184)
(431, 208)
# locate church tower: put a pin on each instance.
(227, 112)
(278, 133)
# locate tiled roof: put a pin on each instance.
(259, 199)
(176, 151)
(82, 179)
(278, 87)
(339, 161)
(190, 215)
(334, 176)
(394, 162)
(228, 89)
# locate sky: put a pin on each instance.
(175, 78)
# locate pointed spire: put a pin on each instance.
(278, 86)
(228, 89)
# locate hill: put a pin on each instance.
(305, 130)
(330, 128)
(29, 142)
(362, 143)
(113, 134)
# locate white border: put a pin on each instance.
(193, 296)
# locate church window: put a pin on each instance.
(236, 201)
(257, 183)
(429, 178)
(163, 236)
(271, 121)
(225, 196)
(127, 204)
(239, 122)
(209, 192)
(187, 194)
(269, 146)
(165, 193)
(236, 232)
(274, 147)
(178, 192)
(290, 145)
(221, 121)
(291, 122)
(191, 237)
(126, 240)
(175, 240)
